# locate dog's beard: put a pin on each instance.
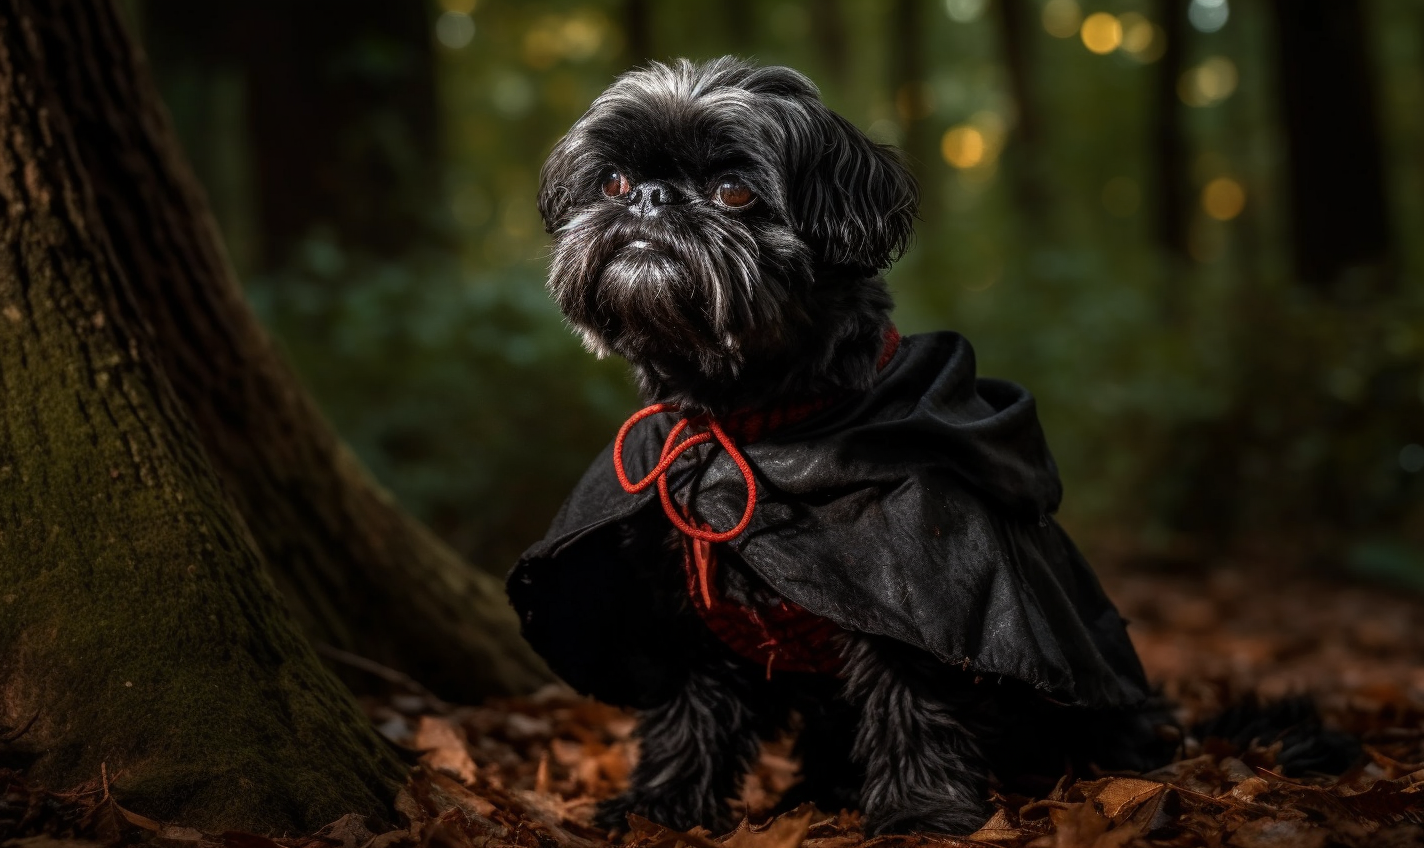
(688, 290)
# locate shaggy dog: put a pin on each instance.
(817, 524)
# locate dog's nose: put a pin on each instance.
(646, 197)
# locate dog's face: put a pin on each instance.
(698, 211)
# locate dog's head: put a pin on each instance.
(702, 214)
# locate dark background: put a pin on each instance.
(1190, 228)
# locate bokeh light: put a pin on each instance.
(1411, 458)
(1142, 39)
(964, 11)
(454, 29)
(576, 38)
(1208, 15)
(464, 7)
(1101, 33)
(1223, 198)
(1136, 32)
(1062, 17)
(1209, 83)
(963, 146)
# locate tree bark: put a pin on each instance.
(1339, 210)
(139, 634)
(357, 572)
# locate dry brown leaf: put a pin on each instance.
(1120, 796)
(785, 831)
(1248, 789)
(999, 830)
(444, 748)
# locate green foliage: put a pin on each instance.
(1206, 397)
(464, 394)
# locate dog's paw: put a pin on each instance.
(677, 812)
(958, 820)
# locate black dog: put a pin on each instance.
(862, 542)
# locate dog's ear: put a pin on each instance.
(854, 200)
(556, 197)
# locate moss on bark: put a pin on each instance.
(356, 572)
(138, 629)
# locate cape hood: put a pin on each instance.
(919, 510)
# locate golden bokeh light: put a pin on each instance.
(1137, 33)
(1101, 33)
(1223, 198)
(553, 38)
(963, 146)
(1209, 83)
(1062, 17)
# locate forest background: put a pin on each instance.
(1190, 227)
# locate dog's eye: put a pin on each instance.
(734, 193)
(615, 184)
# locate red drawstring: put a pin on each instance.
(750, 426)
(672, 449)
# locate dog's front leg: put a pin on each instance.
(695, 749)
(923, 768)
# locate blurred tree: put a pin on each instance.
(339, 103)
(140, 632)
(637, 33)
(1338, 210)
(912, 96)
(829, 30)
(1170, 148)
(1023, 151)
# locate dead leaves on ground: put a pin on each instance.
(526, 773)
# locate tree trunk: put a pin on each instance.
(357, 572)
(340, 108)
(637, 33)
(1339, 211)
(139, 634)
(1169, 149)
(907, 75)
(828, 29)
(1025, 145)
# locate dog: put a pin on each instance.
(816, 524)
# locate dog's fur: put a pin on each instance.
(720, 309)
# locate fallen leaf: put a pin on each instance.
(444, 748)
(1122, 795)
(785, 831)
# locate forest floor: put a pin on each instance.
(527, 772)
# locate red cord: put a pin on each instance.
(672, 449)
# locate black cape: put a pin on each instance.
(919, 510)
